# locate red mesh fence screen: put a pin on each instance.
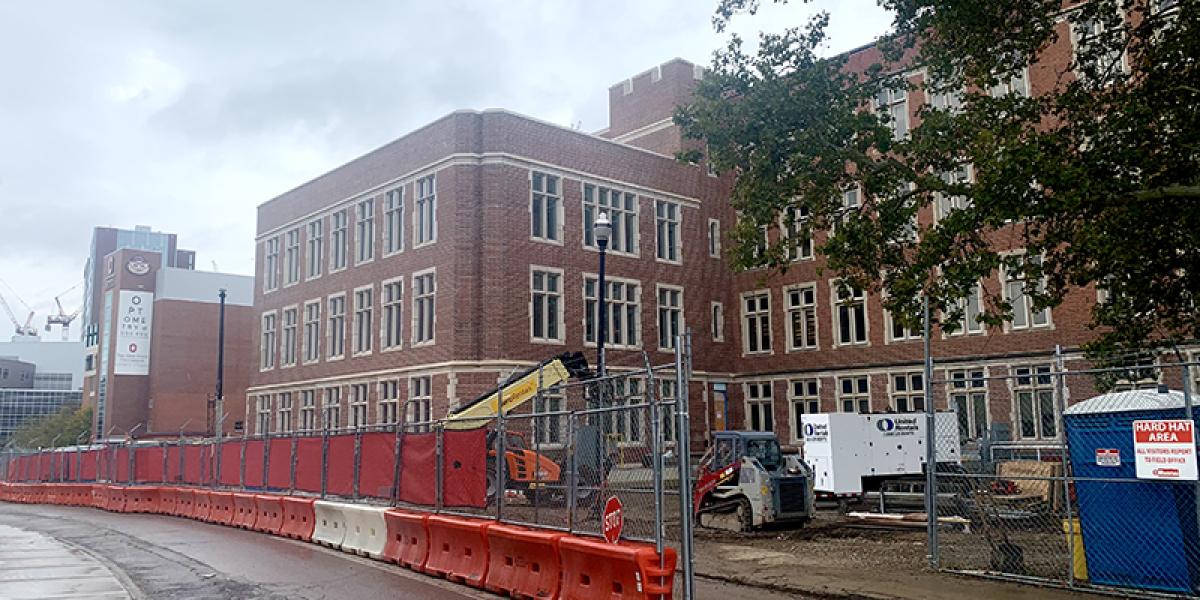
(418, 469)
(308, 464)
(231, 464)
(148, 464)
(340, 479)
(464, 468)
(377, 464)
(193, 456)
(279, 465)
(254, 463)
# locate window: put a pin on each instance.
(545, 305)
(364, 233)
(802, 316)
(1015, 285)
(424, 291)
(756, 322)
(359, 404)
(804, 399)
(291, 258)
(545, 203)
(268, 342)
(312, 331)
(389, 401)
(624, 311)
(800, 243)
(622, 209)
(627, 425)
(287, 353)
(425, 217)
(337, 244)
(271, 264)
(668, 398)
(971, 308)
(892, 105)
(316, 242)
(393, 221)
(308, 410)
(759, 407)
(332, 409)
(950, 100)
(851, 203)
(670, 316)
(908, 392)
(1017, 85)
(283, 423)
(337, 326)
(718, 322)
(392, 292)
(1100, 47)
(968, 398)
(714, 238)
(854, 394)
(945, 203)
(262, 421)
(666, 218)
(898, 332)
(1034, 391)
(850, 316)
(417, 409)
(548, 427)
(364, 303)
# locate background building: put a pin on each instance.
(22, 400)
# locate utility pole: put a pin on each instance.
(219, 401)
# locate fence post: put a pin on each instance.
(656, 445)
(266, 461)
(357, 461)
(1189, 413)
(438, 474)
(396, 458)
(165, 461)
(324, 461)
(132, 463)
(292, 464)
(217, 464)
(242, 464)
(683, 363)
(501, 450)
(1060, 375)
(572, 477)
(931, 510)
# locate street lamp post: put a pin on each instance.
(603, 229)
(219, 400)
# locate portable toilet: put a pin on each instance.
(1138, 533)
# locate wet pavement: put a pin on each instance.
(156, 556)
(33, 565)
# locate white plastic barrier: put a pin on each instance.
(366, 530)
(330, 523)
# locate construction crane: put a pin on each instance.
(26, 330)
(63, 318)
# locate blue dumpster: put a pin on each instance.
(1137, 533)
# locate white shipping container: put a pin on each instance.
(844, 448)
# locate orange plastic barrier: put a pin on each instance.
(220, 508)
(268, 513)
(298, 517)
(167, 498)
(201, 504)
(142, 499)
(243, 510)
(407, 538)
(183, 502)
(117, 499)
(523, 562)
(595, 569)
(458, 549)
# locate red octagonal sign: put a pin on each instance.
(614, 519)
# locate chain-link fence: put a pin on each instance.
(1091, 484)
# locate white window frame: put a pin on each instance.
(312, 356)
(389, 402)
(857, 395)
(546, 424)
(968, 384)
(944, 205)
(360, 405)
(542, 297)
(418, 301)
(714, 238)
(622, 218)
(363, 335)
(284, 413)
(271, 264)
(895, 102)
(388, 306)
(906, 335)
(628, 427)
(905, 392)
(329, 329)
(754, 399)
(331, 402)
(263, 414)
(626, 343)
(268, 352)
(289, 351)
(1026, 307)
(804, 249)
(1039, 382)
(680, 322)
(808, 401)
(315, 248)
(752, 323)
(970, 324)
(419, 406)
(425, 198)
(791, 307)
(1006, 87)
(393, 222)
(716, 314)
(551, 203)
(364, 231)
(1096, 30)
(339, 249)
(668, 243)
(291, 257)
(309, 417)
(836, 304)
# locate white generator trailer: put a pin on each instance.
(855, 454)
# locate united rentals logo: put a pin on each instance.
(138, 266)
(885, 425)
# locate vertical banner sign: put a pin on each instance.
(135, 313)
(1165, 449)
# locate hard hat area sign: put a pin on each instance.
(1165, 449)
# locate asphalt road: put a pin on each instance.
(155, 556)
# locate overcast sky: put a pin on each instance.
(187, 115)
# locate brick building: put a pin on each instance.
(427, 268)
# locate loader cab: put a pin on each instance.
(730, 446)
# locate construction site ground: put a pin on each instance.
(828, 559)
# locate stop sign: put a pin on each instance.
(614, 520)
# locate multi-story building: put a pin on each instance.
(22, 399)
(418, 273)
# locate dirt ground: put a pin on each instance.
(828, 559)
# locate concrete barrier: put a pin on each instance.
(329, 523)
(366, 531)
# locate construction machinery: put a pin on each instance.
(63, 318)
(525, 470)
(745, 482)
(26, 330)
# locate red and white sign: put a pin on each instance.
(614, 519)
(1108, 457)
(1165, 449)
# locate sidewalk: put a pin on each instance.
(35, 566)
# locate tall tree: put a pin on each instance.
(1095, 179)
